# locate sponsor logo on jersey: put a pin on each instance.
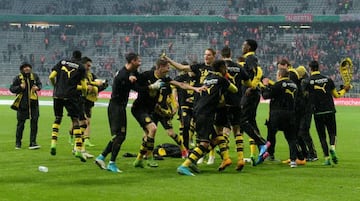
(70, 64)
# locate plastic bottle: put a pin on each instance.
(43, 169)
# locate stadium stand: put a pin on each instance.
(44, 44)
(178, 7)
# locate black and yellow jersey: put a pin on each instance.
(208, 100)
(254, 71)
(148, 98)
(65, 77)
(121, 86)
(321, 91)
(166, 105)
(186, 97)
(282, 95)
(92, 95)
(236, 75)
(201, 71)
(251, 64)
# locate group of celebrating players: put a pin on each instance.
(212, 98)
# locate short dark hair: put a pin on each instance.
(25, 64)
(226, 52)
(212, 51)
(218, 64)
(85, 59)
(161, 62)
(284, 62)
(314, 65)
(131, 56)
(76, 54)
(252, 43)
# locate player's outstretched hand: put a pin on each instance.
(156, 85)
(265, 81)
(347, 88)
(200, 89)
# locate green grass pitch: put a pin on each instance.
(69, 179)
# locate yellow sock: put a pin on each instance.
(212, 153)
(186, 163)
(224, 151)
(78, 139)
(54, 133)
(143, 150)
(252, 147)
(195, 155)
(139, 156)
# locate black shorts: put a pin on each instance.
(282, 120)
(88, 105)
(72, 106)
(204, 127)
(142, 115)
(221, 117)
(249, 106)
(228, 116)
(117, 118)
(166, 122)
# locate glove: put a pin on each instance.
(156, 85)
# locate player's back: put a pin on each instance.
(283, 95)
(320, 93)
(69, 75)
(237, 74)
(210, 99)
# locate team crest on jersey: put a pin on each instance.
(184, 114)
(147, 119)
(63, 62)
(312, 82)
(284, 84)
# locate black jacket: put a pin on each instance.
(29, 104)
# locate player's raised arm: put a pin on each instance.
(52, 77)
(177, 65)
(337, 94)
(186, 86)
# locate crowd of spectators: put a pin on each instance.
(5, 4)
(163, 7)
(343, 6)
(327, 44)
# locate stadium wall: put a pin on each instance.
(133, 95)
(176, 18)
